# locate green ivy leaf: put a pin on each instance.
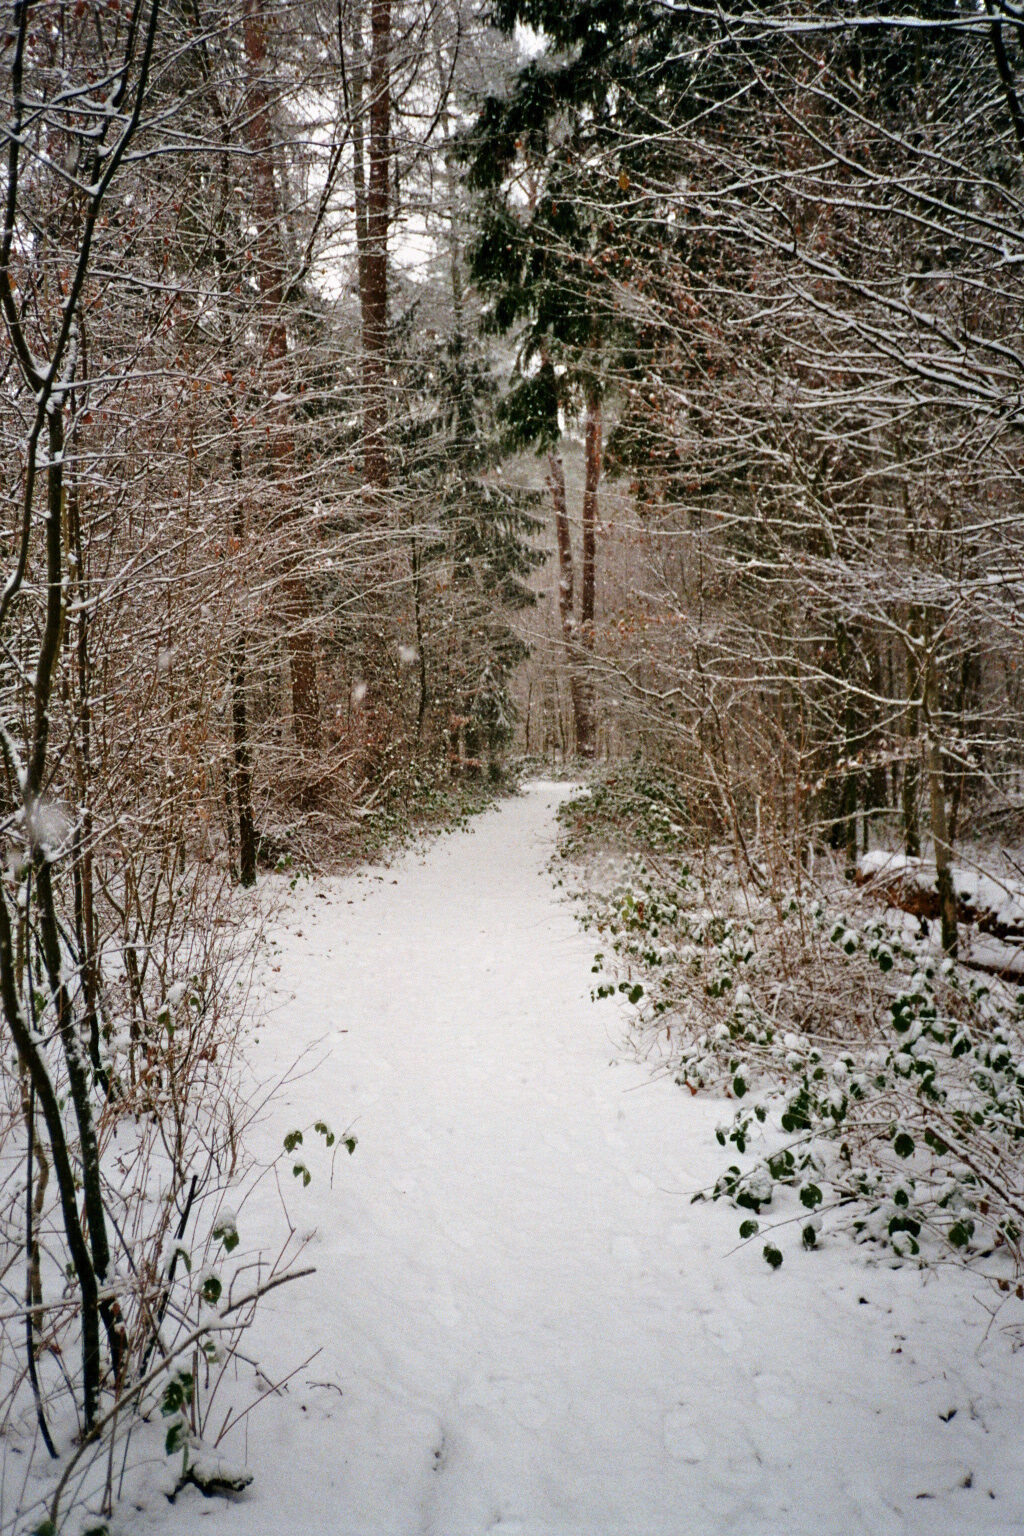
(904, 1224)
(903, 1144)
(227, 1233)
(772, 1255)
(300, 1171)
(292, 1140)
(749, 1228)
(177, 1393)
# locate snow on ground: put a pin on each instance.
(525, 1326)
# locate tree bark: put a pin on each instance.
(592, 480)
(912, 767)
(939, 817)
(357, 111)
(241, 750)
(374, 262)
(271, 280)
(582, 731)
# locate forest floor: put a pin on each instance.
(523, 1323)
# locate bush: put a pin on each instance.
(877, 1084)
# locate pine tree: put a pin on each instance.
(469, 536)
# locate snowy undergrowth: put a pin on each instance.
(412, 802)
(175, 1103)
(876, 1087)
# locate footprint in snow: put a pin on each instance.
(681, 1438)
(625, 1251)
(529, 1412)
(773, 1398)
(444, 1312)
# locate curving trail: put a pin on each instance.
(526, 1326)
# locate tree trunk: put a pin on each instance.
(271, 280)
(239, 777)
(241, 751)
(912, 769)
(374, 265)
(592, 480)
(82, 871)
(939, 819)
(357, 110)
(582, 731)
(372, 187)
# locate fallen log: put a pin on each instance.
(992, 906)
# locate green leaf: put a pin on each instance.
(903, 1144)
(325, 1131)
(810, 1196)
(300, 1171)
(227, 1233)
(177, 1393)
(739, 1086)
(809, 1237)
(772, 1255)
(749, 1228)
(292, 1140)
(351, 1142)
(175, 1438)
(961, 1232)
(212, 1290)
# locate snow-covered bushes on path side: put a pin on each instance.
(186, 1275)
(877, 1088)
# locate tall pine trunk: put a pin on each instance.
(911, 784)
(939, 809)
(592, 479)
(374, 257)
(371, 143)
(582, 729)
(271, 280)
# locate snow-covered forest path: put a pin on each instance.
(525, 1325)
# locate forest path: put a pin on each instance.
(525, 1325)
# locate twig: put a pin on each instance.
(98, 1426)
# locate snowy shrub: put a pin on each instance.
(877, 1087)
